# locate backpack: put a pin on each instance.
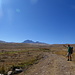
(71, 51)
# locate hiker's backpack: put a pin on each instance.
(71, 50)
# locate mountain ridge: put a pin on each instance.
(26, 41)
(30, 41)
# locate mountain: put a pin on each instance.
(2, 41)
(30, 41)
(26, 41)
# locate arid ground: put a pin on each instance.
(36, 59)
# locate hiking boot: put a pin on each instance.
(68, 60)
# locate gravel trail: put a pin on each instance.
(52, 64)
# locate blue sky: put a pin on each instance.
(49, 21)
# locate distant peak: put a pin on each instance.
(30, 41)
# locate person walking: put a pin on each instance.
(70, 51)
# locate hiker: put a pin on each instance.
(70, 51)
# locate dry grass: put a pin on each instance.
(25, 55)
(20, 55)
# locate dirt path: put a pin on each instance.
(52, 64)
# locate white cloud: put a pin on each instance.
(34, 1)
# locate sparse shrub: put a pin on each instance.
(2, 70)
(45, 49)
